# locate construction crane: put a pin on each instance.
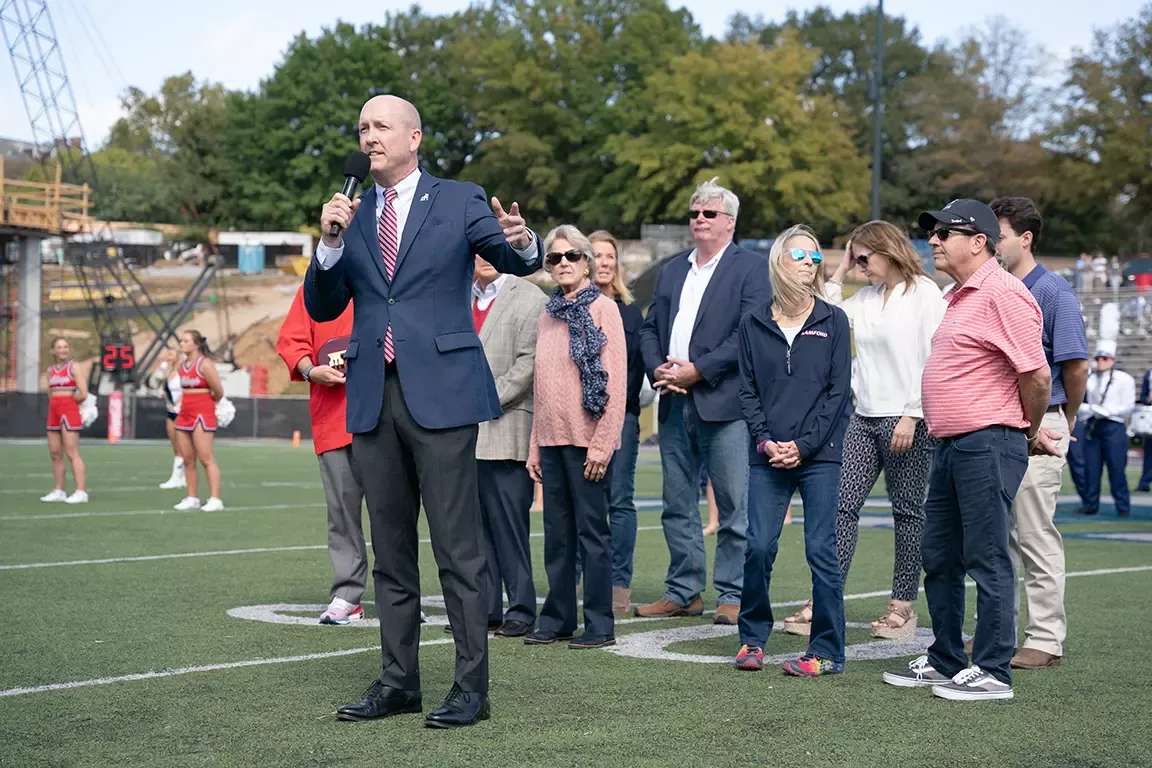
(99, 265)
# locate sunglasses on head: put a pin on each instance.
(708, 214)
(572, 256)
(798, 254)
(945, 232)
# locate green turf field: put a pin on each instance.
(99, 596)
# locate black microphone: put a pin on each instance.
(355, 171)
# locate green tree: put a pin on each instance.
(1105, 135)
(742, 112)
(554, 78)
(286, 144)
(177, 131)
(843, 66)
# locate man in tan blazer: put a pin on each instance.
(504, 310)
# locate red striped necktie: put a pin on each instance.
(389, 246)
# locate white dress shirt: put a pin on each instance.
(485, 296)
(327, 257)
(695, 283)
(1113, 402)
(893, 342)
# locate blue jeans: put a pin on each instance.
(769, 491)
(1107, 447)
(967, 518)
(685, 441)
(621, 505)
(1076, 458)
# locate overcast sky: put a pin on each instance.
(111, 44)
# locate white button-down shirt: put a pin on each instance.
(405, 193)
(485, 296)
(1113, 402)
(893, 342)
(695, 283)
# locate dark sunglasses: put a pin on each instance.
(707, 214)
(861, 259)
(573, 256)
(798, 254)
(946, 232)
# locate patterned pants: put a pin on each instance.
(867, 450)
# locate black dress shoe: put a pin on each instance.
(540, 637)
(514, 629)
(381, 701)
(460, 709)
(1143, 488)
(587, 642)
(1124, 514)
(1086, 511)
(493, 626)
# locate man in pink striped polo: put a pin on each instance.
(986, 388)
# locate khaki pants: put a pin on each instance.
(1038, 549)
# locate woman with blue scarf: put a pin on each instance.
(580, 398)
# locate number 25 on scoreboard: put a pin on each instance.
(119, 357)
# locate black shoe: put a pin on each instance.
(587, 641)
(460, 709)
(540, 637)
(1125, 513)
(492, 627)
(381, 701)
(1143, 488)
(1086, 511)
(514, 629)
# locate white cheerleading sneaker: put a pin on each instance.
(77, 497)
(56, 495)
(212, 505)
(190, 502)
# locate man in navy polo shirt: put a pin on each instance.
(1036, 543)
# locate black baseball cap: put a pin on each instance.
(964, 213)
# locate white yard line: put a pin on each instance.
(138, 512)
(201, 668)
(353, 651)
(214, 553)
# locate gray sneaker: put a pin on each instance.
(973, 684)
(918, 674)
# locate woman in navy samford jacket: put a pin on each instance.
(795, 370)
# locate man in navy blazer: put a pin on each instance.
(418, 383)
(690, 350)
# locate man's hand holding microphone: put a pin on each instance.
(338, 212)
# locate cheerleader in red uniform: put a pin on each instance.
(196, 423)
(66, 388)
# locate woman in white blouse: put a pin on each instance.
(893, 321)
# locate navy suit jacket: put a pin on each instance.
(739, 285)
(441, 364)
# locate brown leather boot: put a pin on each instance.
(726, 614)
(1030, 658)
(621, 599)
(666, 609)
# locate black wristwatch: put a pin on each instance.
(307, 371)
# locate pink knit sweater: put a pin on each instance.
(558, 416)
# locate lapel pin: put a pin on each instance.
(424, 199)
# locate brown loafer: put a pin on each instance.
(1030, 658)
(726, 614)
(666, 609)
